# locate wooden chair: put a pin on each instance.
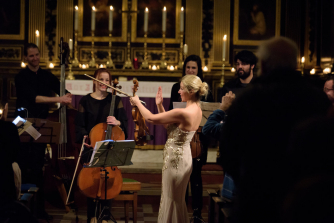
(129, 192)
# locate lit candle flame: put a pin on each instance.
(101, 65)
(154, 67)
(164, 8)
(327, 70)
(171, 67)
(23, 64)
(93, 8)
(0, 111)
(224, 37)
(146, 9)
(76, 8)
(232, 69)
(182, 8)
(83, 66)
(312, 71)
(205, 69)
(303, 59)
(37, 33)
(51, 65)
(111, 8)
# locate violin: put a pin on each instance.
(141, 132)
(90, 180)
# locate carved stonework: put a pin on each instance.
(10, 53)
(207, 29)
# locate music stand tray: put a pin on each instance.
(112, 153)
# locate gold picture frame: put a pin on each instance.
(19, 36)
(122, 38)
(135, 38)
(246, 33)
(10, 53)
(154, 55)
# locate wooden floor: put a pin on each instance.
(148, 209)
(148, 198)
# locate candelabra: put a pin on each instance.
(110, 63)
(92, 61)
(163, 64)
(75, 62)
(223, 73)
(144, 64)
(128, 64)
(70, 75)
(180, 66)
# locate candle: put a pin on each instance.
(83, 66)
(232, 69)
(23, 65)
(224, 47)
(0, 111)
(93, 19)
(110, 18)
(182, 20)
(303, 59)
(154, 67)
(164, 16)
(76, 18)
(70, 44)
(37, 38)
(51, 65)
(145, 19)
(205, 68)
(171, 67)
(312, 71)
(185, 49)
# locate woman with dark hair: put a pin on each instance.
(94, 109)
(193, 66)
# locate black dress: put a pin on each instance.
(92, 112)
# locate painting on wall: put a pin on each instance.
(12, 19)
(255, 21)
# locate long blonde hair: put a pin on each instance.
(193, 83)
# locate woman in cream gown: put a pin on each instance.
(181, 125)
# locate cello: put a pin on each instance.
(90, 181)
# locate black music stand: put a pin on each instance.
(111, 153)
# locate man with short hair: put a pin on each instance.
(34, 86)
(34, 90)
(245, 62)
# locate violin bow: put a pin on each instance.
(119, 91)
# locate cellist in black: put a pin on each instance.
(94, 109)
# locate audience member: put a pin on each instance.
(256, 132)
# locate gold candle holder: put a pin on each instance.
(163, 64)
(180, 66)
(144, 64)
(223, 74)
(110, 63)
(92, 61)
(128, 63)
(75, 62)
(70, 75)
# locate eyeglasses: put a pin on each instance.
(328, 89)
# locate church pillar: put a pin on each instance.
(37, 22)
(221, 27)
(193, 28)
(64, 23)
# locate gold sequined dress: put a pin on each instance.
(176, 172)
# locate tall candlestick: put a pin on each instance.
(224, 47)
(145, 19)
(37, 38)
(182, 20)
(76, 18)
(70, 44)
(110, 18)
(93, 19)
(164, 16)
(185, 49)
